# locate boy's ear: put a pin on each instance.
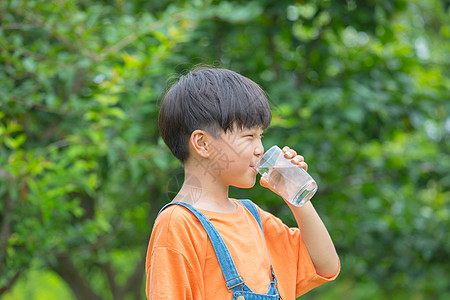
(201, 141)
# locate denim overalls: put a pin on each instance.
(235, 283)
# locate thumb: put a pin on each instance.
(263, 182)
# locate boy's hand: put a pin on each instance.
(295, 159)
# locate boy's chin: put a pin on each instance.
(246, 185)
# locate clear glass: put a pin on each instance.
(293, 183)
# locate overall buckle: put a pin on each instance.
(240, 282)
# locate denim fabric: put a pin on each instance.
(233, 280)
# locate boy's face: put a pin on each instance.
(234, 156)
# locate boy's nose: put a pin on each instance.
(259, 150)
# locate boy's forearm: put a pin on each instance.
(317, 240)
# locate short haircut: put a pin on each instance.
(210, 99)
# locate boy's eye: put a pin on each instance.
(255, 135)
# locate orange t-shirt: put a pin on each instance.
(181, 262)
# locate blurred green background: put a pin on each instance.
(360, 88)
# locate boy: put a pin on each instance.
(208, 246)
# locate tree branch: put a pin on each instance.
(134, 281)
(65, 268)
(5, 229)
(5, 175)
(110, 276)
(10, 284)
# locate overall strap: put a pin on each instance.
(253, 210)
(229, 271)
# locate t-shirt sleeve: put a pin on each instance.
(307, 277)
(291, 255)
(170, 276)
(172, 266)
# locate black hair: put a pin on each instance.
(212, 100)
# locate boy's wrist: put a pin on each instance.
(304, 209)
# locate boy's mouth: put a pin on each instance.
(255, 165)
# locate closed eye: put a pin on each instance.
(254, 135)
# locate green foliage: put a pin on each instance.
(360, 89)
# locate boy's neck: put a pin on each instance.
(205, 193)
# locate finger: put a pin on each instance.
(303, 165)
(289, 153)
(263, 182)
(298, 159)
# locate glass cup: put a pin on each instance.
(293, 183)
